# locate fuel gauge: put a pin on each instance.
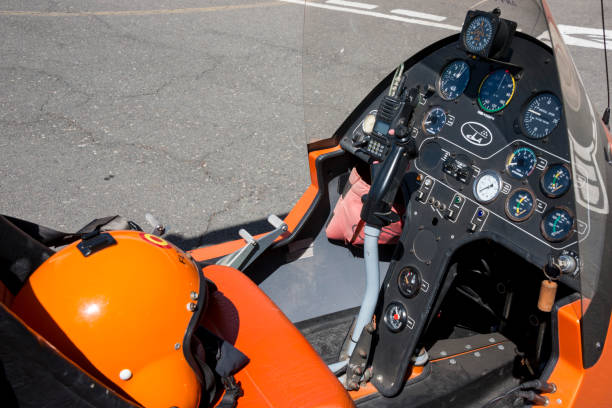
(519, 205)
(556, 180)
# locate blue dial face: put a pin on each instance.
(434, 120)
(454, 79)
(557, 225)
(519, 205)
(496, 91)
(541, 116)
(479, 34)
(556, 181)
(521, 162)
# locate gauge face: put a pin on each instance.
(541, 115)
(368, 124)
(487, 186)
(496, 90)
(521, 162)
(395, 316)
(520, 205)
(454, 79)
(409, 282)
(556, 180)
(479, 34)
(434, 120)
(557, 225)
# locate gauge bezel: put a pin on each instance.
(403, 317)
(431, 109)
(511, 154)
(439, 81)
(572, 228)
(494, 20)
(509, 99)
(524, 109)
(529, 214)
(399, 279)
(482, 174)
(546, 193)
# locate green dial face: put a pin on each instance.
(557, 225)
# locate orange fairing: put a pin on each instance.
(292, 220)
(284, 370)
(121, 314)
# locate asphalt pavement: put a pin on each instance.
(193, 110)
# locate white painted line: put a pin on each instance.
(375, 14)
(417, 14)
(364, 6)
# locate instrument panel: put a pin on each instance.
(494, 163)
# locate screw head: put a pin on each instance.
(452, 361)
(193, 295)
(125, 374)
(191, 306)
(177, 346)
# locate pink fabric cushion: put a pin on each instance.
(346, 218)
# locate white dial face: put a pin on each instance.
(487, 187)
(368, 124)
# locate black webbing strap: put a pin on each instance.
(226, 360)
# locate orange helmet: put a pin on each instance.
(123, 313)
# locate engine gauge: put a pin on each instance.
(487, 186)
(541, 115)
(521, 162)
(454, 79)
(520, 205)
(478, 35)
(434, 120)
(496, 90)
(395, 316)
(557, 224)
(409, 282)
(556, 180)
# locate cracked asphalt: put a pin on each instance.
(189, 110)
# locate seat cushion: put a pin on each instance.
(284, 371)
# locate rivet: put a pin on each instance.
(468, 346)
(501, 347)
(177, 346)
(191, 307)
(125, 374)
(194, 295)
(559, 401)
(443, 353)
(92, 385)
(452, 361)
(491, 340)
(477, 354)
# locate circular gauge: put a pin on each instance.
(434, 120)
(521, 162)
(520, 205)
(556, 180)
(454, 79)
(496, 90)
(487, 186)
(368, 124)
(557, 224)
(479, 34)
(409, 282)
(395, 316)
(541, 115)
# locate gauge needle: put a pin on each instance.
(534, 112)
(487, 187)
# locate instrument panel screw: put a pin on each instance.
(452, 361)
(477, 354)
(125, 374)
(191, 306)
(177, 346)
(194, 295)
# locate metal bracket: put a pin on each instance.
(243, 257)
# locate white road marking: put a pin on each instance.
(417, 14)
(591, 37)
(352, 4)
(374, 14)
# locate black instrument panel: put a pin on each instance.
(494, 163)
